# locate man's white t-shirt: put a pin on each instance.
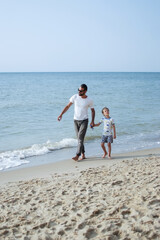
(81, 106)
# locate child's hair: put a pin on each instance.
(105, 108)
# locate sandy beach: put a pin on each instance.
(92, 199)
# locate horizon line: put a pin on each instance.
(83, 72)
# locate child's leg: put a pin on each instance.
(109, 150)
(104, 149)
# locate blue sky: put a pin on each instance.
(79, 35)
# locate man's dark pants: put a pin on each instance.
(80, 128)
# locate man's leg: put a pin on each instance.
(80, 128)
(76, 127)
(81, 136)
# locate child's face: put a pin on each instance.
(105, 112)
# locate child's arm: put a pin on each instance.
(96, 125)
(114, 131)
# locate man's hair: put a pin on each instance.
(105, 108)
(84, 86)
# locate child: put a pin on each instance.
(107, 131)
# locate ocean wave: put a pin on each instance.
(93, 137)
(18, 157)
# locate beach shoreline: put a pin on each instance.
(92, 199)
(68, 166)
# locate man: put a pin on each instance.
(81, 104)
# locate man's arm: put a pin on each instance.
(64, 110)
(93, 116)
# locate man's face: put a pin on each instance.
(81, 91)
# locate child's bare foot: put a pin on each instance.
(75, 158)
(104, 155)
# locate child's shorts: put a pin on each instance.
(107, 139)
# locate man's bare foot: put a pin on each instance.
(109, 157)
(82, 157)
(104, 155)
(75, 158)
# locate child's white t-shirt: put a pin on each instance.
(81, 106)
(108, 125)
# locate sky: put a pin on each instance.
(79, 36)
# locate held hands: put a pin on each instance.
(92, 125)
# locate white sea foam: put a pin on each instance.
(18, 157)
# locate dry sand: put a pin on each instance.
(93, 199)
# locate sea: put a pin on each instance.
(30, 103)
